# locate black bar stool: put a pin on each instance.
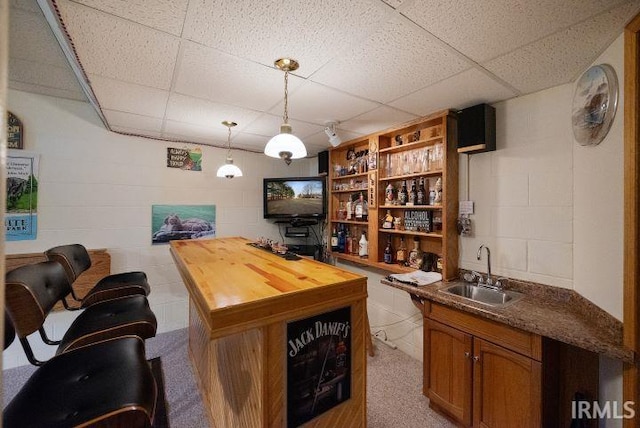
(75, 259)
(32, 290)
(105, 384)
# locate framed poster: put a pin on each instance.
(21, 220)
(15, 131)
(318, 365)
(172, 222)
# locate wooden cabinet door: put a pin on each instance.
(447, 373)
(507, 390)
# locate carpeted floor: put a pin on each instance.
(394, 387)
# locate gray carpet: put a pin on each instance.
(394, 387)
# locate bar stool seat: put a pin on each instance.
(106, 384)
(112, 318)
(75, 259)
(32, 290)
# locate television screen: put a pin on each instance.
(292, 197)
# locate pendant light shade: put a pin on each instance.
(229, 170)
(285, 145)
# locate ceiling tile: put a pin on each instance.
(396, 60)
(560, 57)
(263, 31)
(116, 48)
(205, 113)
(129, 97)
(377, 120)
(205, 72)
(248, 141)
(269, 125)
(163, 15)
(485, 29)
(316, 103)
(136, 121)
(29, 6)
(134, 131)
(468, 88)
(46, 90)
(213, 135)
(43, 75)
(31, 39)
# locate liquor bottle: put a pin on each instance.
(359, 207)
(413, 194)
(422, 193)
(341, 239)
(388, 252)
(415, 255)
(364, 246)
(401, 254)
(354, 243)
(348, 242)
(402, 194)
(349, 209)
(334, 240)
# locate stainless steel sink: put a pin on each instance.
(484, 295)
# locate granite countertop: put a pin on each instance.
(553, 312)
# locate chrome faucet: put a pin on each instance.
(489, 278)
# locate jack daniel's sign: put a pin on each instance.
(318, 365)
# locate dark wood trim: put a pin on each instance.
(631, 374)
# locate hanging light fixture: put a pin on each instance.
(285, 145)
(229, 170)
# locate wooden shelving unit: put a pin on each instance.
(428, 151)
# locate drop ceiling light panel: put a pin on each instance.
(129, 97)
(311, 32)
(114, 47)
(208, 73)
(163, 15)
(318, 104)
(377, 120)
(468, 88)
(561, 57)
(485, 29)
(398, 59)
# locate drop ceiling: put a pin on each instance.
(175, 69)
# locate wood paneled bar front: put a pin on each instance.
(244, 305)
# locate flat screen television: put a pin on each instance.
(294, 197)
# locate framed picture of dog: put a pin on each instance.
(172, 222)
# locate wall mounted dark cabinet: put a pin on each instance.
(477, 129)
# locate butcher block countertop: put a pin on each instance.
(552, 312)
(236, 286)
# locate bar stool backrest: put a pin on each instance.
(73, 257)
(9, 331)
(31, 291)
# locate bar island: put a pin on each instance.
(274, 342)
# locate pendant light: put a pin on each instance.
(285, 145)
(229, 170)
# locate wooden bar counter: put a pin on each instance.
(245, 305)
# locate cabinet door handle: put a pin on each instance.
(467, 354)
(476, 358)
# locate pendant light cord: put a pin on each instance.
(286, 96)
(229, 142)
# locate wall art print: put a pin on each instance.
(174, 222)
(187, 159)
(21, 220)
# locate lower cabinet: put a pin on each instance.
(481, 373)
